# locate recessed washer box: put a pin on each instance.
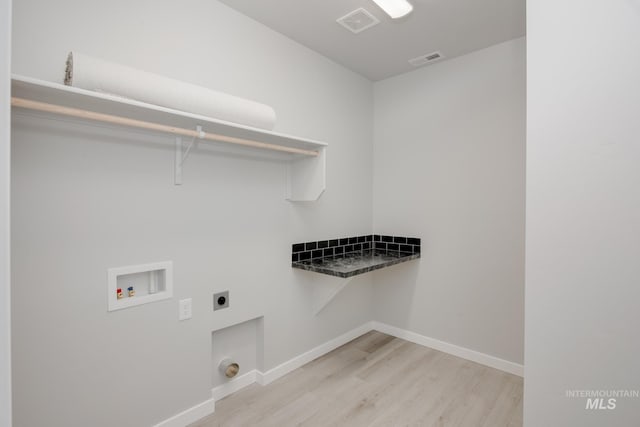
(151, 282)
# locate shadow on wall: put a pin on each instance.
(394, 293)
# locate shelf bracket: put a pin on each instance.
(181, 153)
(306, 177)
(324, 293)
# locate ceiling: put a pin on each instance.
(453, 27)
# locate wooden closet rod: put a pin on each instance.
(123, 121)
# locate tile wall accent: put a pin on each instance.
(347, 245)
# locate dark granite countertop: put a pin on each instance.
(354, 263)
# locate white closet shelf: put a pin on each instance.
(306, 158)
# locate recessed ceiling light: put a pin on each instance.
(395, 8)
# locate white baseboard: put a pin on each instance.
(190, 415)
(264, 378)
(208, 407)
(271, 375)
(234, 385)
(465, 353)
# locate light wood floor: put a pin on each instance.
(377, 380)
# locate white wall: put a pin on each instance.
(86, 198)
(449, 168)
(5, 167)
(583, 206)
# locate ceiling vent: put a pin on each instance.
(358, 20)
(426, 59)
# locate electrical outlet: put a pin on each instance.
(220, 300)
(185, 309)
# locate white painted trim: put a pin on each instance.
(208, 407)
(263, 378)
(234, 385)
(271, 375)
(5, 211)
(190, 415)
(455, 350)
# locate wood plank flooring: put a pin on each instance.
(379, 381)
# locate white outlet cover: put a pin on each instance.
(185, 309)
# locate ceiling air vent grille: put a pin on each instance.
(426, 59)
(358, 20)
